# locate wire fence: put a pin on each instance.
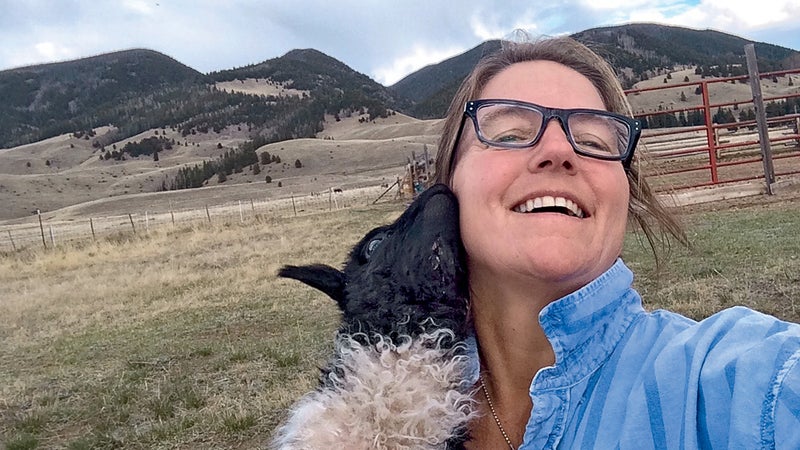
(52, 233)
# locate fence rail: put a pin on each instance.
(52, 233)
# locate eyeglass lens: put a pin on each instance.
(517, 126)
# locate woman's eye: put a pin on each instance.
(509, 138)
(593, 144)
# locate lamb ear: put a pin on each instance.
(319, 276)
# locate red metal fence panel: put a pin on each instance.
(707, 144)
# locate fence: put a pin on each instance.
(722, 148)
(51, 233)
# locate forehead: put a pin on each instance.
(545, 83)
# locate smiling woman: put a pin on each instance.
(538, 146)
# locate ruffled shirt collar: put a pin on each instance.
(585, 326)
(582, 327)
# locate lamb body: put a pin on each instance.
(396, 379)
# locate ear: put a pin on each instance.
(319, 276)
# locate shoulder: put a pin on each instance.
(735, 339)
(739, 331)
(745, 365)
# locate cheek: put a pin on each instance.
(480, 172)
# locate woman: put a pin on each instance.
(538, 147)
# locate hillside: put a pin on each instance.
(646, 49)
(63, 171)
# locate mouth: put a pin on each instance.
(551, 204)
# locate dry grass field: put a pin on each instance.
(183, 338)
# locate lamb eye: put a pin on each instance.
(371, 246)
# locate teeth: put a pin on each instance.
(548, 201)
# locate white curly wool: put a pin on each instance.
(410, 395)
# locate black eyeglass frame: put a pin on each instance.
(472, 106)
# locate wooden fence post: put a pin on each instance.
(12, 240)
(208, 214)
(41, 228)
(387, 190)
(130, 217)
(294, 207)
(761, 117)
(52, 236)
(241, 212)
(91, 224)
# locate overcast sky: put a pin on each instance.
(383, 39)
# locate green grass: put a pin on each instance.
(748, 257)
(186, 339)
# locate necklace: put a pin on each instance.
(494, 414)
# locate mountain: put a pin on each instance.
(334, 86)
(636, 51)
(138, 90)
(47, 100)
(643, 49)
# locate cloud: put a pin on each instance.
(419, 57)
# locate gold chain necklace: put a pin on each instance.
(494, 414)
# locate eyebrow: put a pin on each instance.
(503, 110)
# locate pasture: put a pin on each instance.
(183, 337)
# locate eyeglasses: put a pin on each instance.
(513, 124)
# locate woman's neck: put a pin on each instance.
(512, 348)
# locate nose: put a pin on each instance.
(553, 151)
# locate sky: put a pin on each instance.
(385, 40)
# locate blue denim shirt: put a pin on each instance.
(625, 378)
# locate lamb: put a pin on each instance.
(398, 376)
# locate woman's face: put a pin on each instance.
(563, 250)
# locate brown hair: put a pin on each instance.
(644, 207)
